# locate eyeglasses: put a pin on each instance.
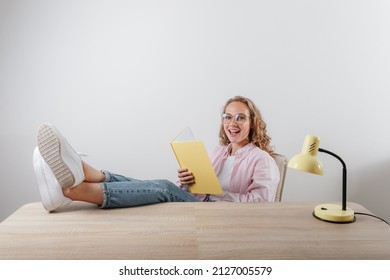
(239, 118)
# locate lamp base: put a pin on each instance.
(333, 213)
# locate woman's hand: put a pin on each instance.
(185, 176)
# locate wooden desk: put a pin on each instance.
(190, 231)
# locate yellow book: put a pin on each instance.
(192, 154)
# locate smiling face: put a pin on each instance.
(237, 133)
(253, 129)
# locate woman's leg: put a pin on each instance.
(110, 190)
(88, 192)
(62, 174)
(135, 192)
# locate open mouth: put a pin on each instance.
(234, 132)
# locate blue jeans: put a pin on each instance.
(121, 191)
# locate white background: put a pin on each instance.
(110, 269)
(121, 78)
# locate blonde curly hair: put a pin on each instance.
(258, 133)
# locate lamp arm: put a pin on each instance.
(344, 198)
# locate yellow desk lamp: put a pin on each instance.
(307, 161)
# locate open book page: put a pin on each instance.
(184, 136)
(192, 154)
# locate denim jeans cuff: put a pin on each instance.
(108, 175)
(105, 194)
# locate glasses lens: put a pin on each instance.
(240, 118)
(226, 118)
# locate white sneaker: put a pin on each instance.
(51, 192)
(62, 159)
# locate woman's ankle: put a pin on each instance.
(68, 192)
(93, 175)
(87, 192)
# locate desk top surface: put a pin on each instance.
(190, 231)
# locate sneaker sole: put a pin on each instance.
(50, 148)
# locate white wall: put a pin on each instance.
(121, 78)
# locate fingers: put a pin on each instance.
(185, 176)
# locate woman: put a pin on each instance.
(242, 162)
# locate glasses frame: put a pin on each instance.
(235, 118)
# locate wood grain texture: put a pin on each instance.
(190, 231)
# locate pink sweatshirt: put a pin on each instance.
(254, 178)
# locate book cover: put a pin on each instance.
(192, 154)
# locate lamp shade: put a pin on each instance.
(307, 160)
